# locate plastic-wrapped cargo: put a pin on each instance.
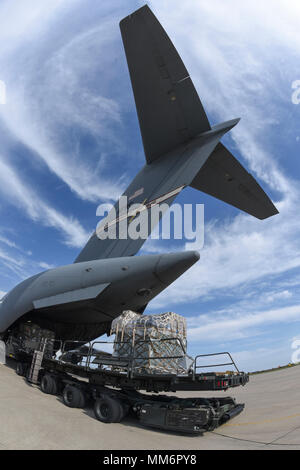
(157, 342)
(32, 337)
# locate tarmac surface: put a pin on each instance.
(29, 419)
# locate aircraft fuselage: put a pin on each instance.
(81, 299)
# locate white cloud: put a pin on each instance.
(263, 358)
(17, 262)
(7, 242)
(28, 18)
(13, 263)
(285, 294)
(240, 252)
(44, 265)
(17, 192)
(53, 68)
(217, 326)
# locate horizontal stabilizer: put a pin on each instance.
(168, 107)
(223, 177)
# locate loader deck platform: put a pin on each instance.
(101, 368)
(114, 384)
(104, 369)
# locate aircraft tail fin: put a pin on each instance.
(181, 147)
(171, 114)
(168, 107)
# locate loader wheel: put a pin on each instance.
(49, 385)
(21, 369)
(73, 397)
(109, 410)
(124, 410)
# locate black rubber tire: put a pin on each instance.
(125, 409)
(73, 397)
(21, 369)
(109, 410)
(49, 385)
(27, 373)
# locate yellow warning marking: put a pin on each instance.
(284, 418)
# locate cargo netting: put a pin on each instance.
(157, 343)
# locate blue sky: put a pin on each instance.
(70, 140)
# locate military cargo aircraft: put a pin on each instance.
(182, 149)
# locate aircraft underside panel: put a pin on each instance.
(70, 296)
(68, 331)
